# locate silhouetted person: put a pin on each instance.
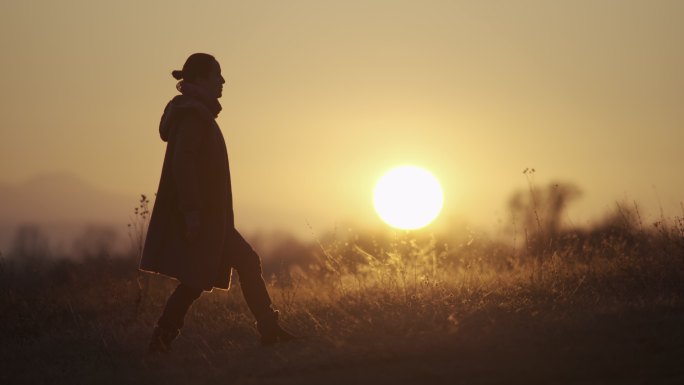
(192, 235)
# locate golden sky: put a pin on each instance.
(324, 96)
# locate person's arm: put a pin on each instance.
(185, 170)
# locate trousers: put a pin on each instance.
(247, 263)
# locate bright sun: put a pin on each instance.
(408, 197)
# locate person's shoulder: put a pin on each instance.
(191, 117)
(191, 110)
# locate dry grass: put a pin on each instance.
(596, 306)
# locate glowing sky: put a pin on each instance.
(324, 96)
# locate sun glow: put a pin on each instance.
(408, 197)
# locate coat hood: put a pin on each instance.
(176, 109)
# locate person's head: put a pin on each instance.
(203, 70)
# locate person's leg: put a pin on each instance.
(248, 266)
(177, 306)
(173, 316)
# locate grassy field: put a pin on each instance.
(599, 306)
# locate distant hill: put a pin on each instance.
(62, 205)
(51, 198)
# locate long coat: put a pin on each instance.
(195, 177)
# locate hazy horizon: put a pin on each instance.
(331, 95)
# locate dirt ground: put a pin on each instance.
(636, 348)
(621, 347)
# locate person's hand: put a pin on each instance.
(192, 225)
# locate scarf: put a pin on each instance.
(199, 93)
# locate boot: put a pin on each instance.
(161, 340)
(271, 332)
